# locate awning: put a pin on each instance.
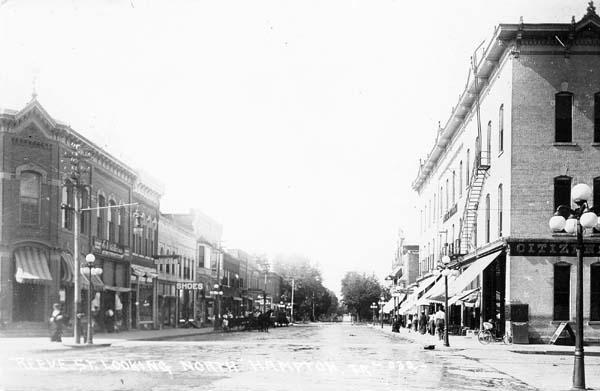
(437, 293)
(67, 277)
(144, 271)
(32, 266)
(412, 300)
(116, 288)
(465, 297)
(467, 277)
(395, 271)
(237, 298)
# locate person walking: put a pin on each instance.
(440, 320)
(57, 323)
(422, 323)
(415, 323)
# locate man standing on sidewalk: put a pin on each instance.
(439, 322)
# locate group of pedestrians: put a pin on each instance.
(427, 323)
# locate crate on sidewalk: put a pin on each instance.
(470, 333)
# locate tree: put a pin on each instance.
(308, 287)
(359, 292)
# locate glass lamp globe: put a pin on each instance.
(455, 273)
(436, 272)
(571, 225)
(445, 259)
(557, 223)
(588, 220)
(581, 193)
(445, 272)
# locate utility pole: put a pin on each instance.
(292, 308)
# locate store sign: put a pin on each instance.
(552, 249)
(190, 285)
(109, 249)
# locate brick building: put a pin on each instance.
(524, 131)
(37, 221)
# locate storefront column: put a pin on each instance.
(137, 303)
(155, 302)
(6, 289)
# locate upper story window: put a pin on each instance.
(100, 215)
(500, 206)
(447, 195)
(453, 187)
(29, 193)
(467, 174)
(67, 202)
(460, 178)
(84, 218)
(487, 218)
(501, 128)
(562, 191)
(112, 221)
(563, 116)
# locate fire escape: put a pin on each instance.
(468, 224)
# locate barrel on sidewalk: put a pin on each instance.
(518, 316)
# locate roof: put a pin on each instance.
(556, 34)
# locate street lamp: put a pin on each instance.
(574, 221)
(90, 270)
(445, 270)
(373, 307)
(217, 293)
(381, 304)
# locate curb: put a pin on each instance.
(86, 346)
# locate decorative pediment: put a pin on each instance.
(590, 21)
(33, 120)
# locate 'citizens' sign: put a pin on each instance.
(552, 249)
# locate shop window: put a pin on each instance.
(596, 201)
(563, 110)
(562, 191)
(595, 291)
(562, 285)
(29, 191)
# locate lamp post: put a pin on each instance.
(381, 304)
(373, 307)
(90, 270)
(445, 270)
(574, 221)
(217, 293)
(292, 303)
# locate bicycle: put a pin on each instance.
(488, 335)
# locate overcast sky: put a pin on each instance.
(296, 124)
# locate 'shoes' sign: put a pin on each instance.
(190, 285)
(552, 249)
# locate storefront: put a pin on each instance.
(167, 303)
(32, 284)
(143, 281)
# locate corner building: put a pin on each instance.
(525, 130)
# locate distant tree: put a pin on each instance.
(359, 291)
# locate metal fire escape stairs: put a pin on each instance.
(468, 223)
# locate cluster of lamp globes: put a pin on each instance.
(580, 194)
(85, 270)
(216, 291)
(444, 270)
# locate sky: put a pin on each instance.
(298, 125)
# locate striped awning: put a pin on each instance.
(32, 266)
(143, 271)
(68, 272)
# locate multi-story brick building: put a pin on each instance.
(524, 131)
(37, 221)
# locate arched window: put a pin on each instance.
(501, 128)
(100, 217)
(67, 205)
(120, 223)
(29, 192)
(562, 191)
(447, 195)
(460, 179)
(487, 218)
(500, 206)
(563, 111)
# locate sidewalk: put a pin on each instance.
(23, 345)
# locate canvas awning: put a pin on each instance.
(469, 296)
(144, 271)
(468, 276)
(412, 300)
(389, 306)
(32, 266)
(68, 275)
(437, 293)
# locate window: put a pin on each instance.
(460, 179)
(453, 187)
(67, 204)
(487, 218)
(489, 141)
(447, 195)
(562, 285)
(563, 112)
(29, 192)
(500, 210)
(501, 129)
(595, 291)
(100, 216)
(562, 191)
(434, 207)
(441, 201)
(121, 229)
(112, 221)
(84, 219)
(467, 178)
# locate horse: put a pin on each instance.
(264, 320)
